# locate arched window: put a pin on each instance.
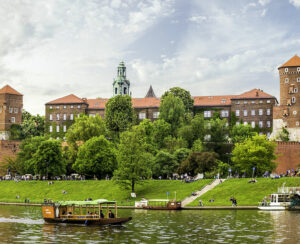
(116, 90)
(125, 90)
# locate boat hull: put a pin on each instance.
(105, 221)
(160, 208)
(272, 208)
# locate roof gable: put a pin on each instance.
(67, 99)
(9, 90)
(254, 93)
(294, 61)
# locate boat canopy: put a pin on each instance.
(83, 203)
(158, 200)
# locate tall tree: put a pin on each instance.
(48, 160)
(172, 111)
(241, 132)
(96, 157)
(255, 152)
(165, 164)
(119, 114)
(134, 162)
(184, 96)
(161, 130)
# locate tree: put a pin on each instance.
(256, 152)
(161, 130)
(284, 135)
(48, 160)
(28, 148)
(134, 162)
(240, 133)
(218, 130)
(181, 154)
(96, 157)
(198, 162)
(165, 164)
(198, 146)
(184, 96)
(119, 114)
(172, 111)
(171, 144)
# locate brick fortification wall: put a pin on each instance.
(8, 149)
(288, 156)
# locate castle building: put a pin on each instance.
(287, 114)
(11, 104)
(254, 107)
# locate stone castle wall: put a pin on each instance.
(288, 156)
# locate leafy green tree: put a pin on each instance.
(134, 162)
(165, 164)
(161, 130)
(184, 96)
(198, 146)
(171, 144)
(283, 135)
(187, 133)
(172, 111)
(219, 130)
(181, 154)
(222, 167)
(256, 152)
(48, 160)
(198, 162)
(96, 157)
(119, 114)
(240, 133)
(27, 149)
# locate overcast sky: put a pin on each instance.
(52, 48)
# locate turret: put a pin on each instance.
(121, 86)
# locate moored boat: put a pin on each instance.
(162, 204)
(98, 212)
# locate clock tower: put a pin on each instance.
(121, 85)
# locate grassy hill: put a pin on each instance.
(37, 191)
(247, 194)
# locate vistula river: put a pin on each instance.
(25, 225)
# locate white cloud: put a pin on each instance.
(198, 19)
(296, 3)
(264, 2)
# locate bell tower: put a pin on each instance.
(121, 86)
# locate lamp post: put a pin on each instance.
(253, 169)
(229, 172)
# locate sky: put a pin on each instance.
(53, 48)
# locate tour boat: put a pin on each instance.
(162, 204)
(83, 212)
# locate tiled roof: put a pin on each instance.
(255, 93)
(212, 100)
(9, 90)
(147, 102)
(67, 99)
(294, 61)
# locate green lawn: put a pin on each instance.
(36, 191)
(247, 194)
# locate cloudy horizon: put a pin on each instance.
(50, 49)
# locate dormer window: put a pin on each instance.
(286, 69)
(286, 80)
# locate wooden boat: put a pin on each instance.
(162, 204)
(83, 212)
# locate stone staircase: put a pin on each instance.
(201, 192)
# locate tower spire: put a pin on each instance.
(121, 85)
(150, 92)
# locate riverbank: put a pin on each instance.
(37, 191)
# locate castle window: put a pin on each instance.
(57, 116)
(298, 79)
(207, 114)
(261, 101)
(223, 100)
(293, 99)
(260, 112)
(65, 106)
(125, 90)
(245, 112)
(268, 101)
(57, 128)
(50, 117)
(298, 69)
(71, 106)
(253, 112)
(65, 116)
(237, 112)
(295, 90)
(142, 115)
(237, 102)
(13, 119)
(50, 128)
(10, 110)
(286, 80)
(78, 115)
(245, 102)
(297, 123)
(224, 113)
(286, 69)
(268, 111)
(50, 107)
(238, 123)
(16, 110)
(116, 90)
(57, 107)
(268, 134)
(268, 124)
(78, 106)
(294, 112)
(155, 115)
(253, 124)
(245, 123)
(252, 102)
(260, 124)
(65, 128)
(71, 116)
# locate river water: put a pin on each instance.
(25, 225)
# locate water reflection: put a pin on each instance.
(20, 224)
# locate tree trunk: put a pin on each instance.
(132, 185)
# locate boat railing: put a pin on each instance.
(67, 216)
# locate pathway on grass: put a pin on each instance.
(205, 189)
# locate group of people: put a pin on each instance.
(101, 214)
